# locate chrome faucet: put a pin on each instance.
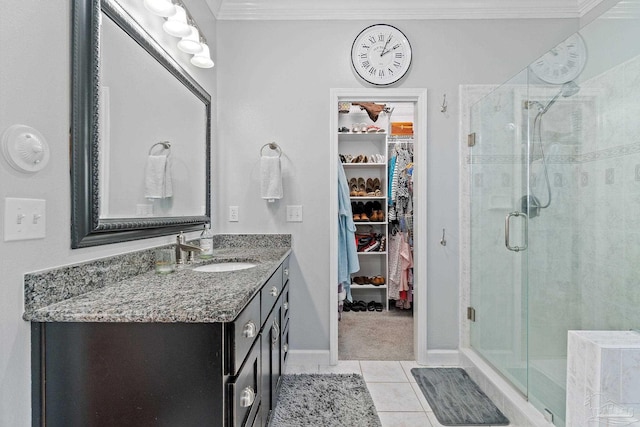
(181, 247)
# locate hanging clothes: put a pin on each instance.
(347, 250)
(395, 265)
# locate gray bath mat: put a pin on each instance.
(455, 399)
(318, 400)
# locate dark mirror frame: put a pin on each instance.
(87, 228)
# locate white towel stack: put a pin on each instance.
(157, 180)
(271, 178)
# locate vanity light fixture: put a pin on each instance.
(160, 7)
(191, 43)
(176, 24)
(202, 59)
(179, 23)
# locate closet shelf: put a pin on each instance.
(367, 198)
(372, 253)
(356, 286)
(370, 222)
(344, 136)
(364, 165)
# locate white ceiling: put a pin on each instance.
(397, 9)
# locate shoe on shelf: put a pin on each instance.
(353, 187)
(363, 213)
(346, 305)
(355, 210)
(375, 185)
(369, 188)
(378, 280)
(379, 306)
(358, 280)
(373, 246)
(362, 189)
(371, 306)
(383, 245)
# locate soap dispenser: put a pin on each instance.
(206, 242)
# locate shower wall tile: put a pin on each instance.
(603, 382)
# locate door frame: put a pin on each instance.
(419, 97)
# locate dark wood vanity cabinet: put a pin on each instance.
(94, 374)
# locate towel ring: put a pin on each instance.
(272, 146)
(166, 145)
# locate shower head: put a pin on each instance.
(568, 89)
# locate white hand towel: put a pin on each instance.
(271, 177)
(157, 180)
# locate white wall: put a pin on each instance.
(34, 90)
(274, 80)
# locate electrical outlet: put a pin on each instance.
(233, 214)
(294, 213)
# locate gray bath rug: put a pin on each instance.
(324, 401)
(455, 399)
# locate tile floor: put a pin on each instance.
(398, 399)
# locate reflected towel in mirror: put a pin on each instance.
(157, 180)
(271, 178)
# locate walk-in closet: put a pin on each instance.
(376, 157)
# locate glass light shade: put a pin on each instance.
(176, 25)
(191, 43)
(160, 7)
(203, 58)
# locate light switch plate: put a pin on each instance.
(24, 219)
(294, 213)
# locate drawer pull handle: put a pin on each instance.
(273, 292)
(285, 305)
(247, 397)
(286, 272)
(249, 330)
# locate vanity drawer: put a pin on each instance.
(270, 293)
(285, 270)
(242, 334)
(244, 392)
(285, 347)
(285, 307)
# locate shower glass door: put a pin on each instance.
(498, 174)
(573, 150)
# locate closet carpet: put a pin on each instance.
(372, 335)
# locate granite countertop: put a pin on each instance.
(182, 296)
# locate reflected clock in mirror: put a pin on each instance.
(128, 95)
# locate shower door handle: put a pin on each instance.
(507, 222)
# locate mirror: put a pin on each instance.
(140, 137)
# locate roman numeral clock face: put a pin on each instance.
(563, 63)
(381, 54)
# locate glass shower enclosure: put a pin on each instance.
(555, 209)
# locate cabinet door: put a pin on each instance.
(244, 391)
(270, 342)
(127, 374)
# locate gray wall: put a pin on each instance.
(34, 90)
(274, 80)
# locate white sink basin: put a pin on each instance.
(224, 266)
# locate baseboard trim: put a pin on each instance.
(309, 357)
(441, 358)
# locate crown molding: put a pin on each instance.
(404, 9)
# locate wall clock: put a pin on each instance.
(381, 54)
(563, 63)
